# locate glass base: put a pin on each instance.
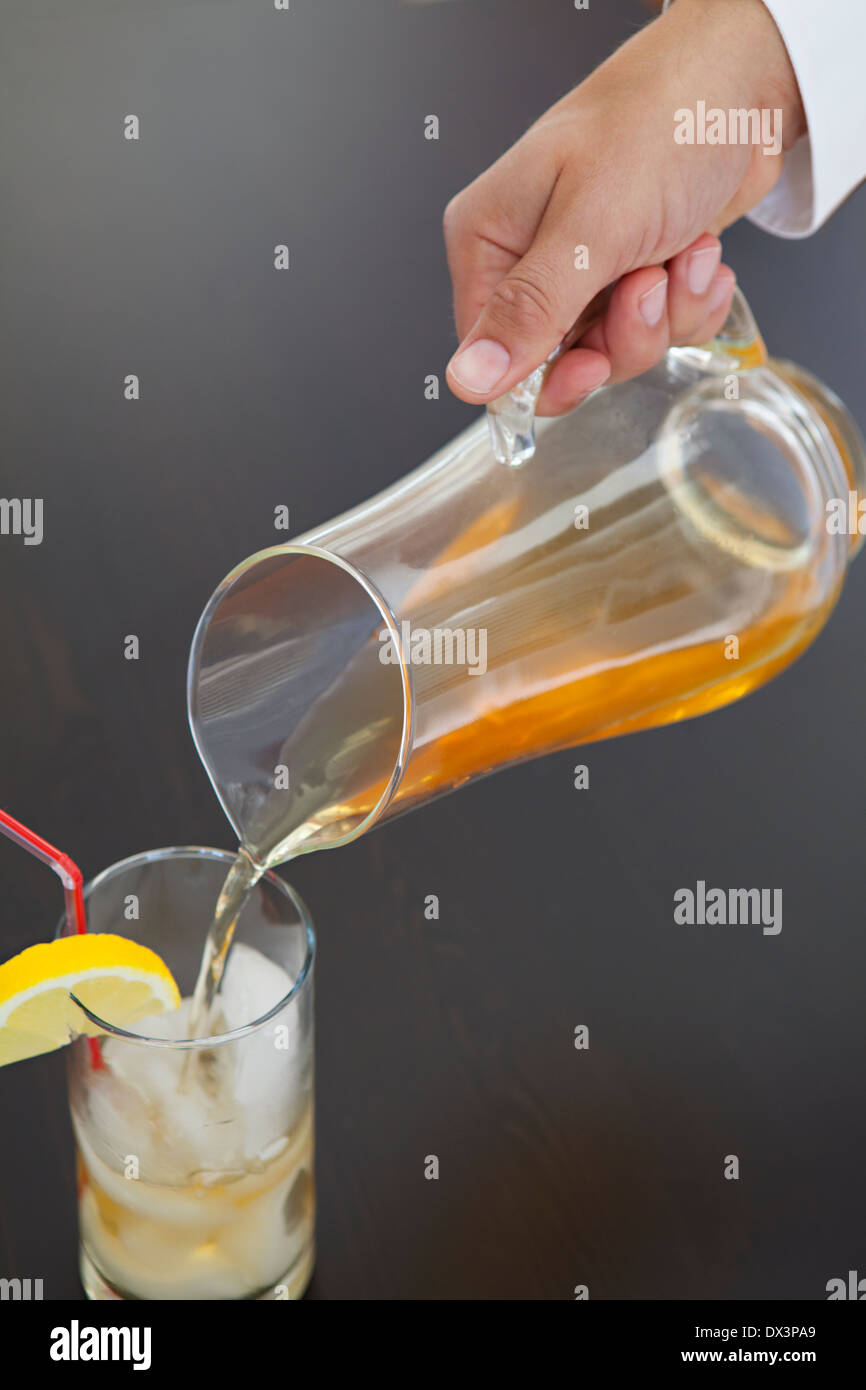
(292, 1286)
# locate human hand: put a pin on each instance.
(602, 170)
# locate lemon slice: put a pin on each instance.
(118, 980)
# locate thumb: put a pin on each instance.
(531, 309)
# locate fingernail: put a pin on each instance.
(721, 289)
(479, 366)
(652, 303)
(702, 267)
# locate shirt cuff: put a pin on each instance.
(826, 43)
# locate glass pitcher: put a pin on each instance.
(664, 549)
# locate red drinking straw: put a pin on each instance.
(70, 876)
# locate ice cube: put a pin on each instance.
(251, 985)
(267, 1081)
(222, 1111)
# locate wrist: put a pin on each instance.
(740, 39)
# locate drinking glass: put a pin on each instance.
(195, 1156)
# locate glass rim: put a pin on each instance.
(217, 1039)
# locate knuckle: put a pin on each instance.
(453, 215)
(698, 337)
(686, 331)
(524, 301)
(642, 361)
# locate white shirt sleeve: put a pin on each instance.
(826, 42)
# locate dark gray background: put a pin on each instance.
(306, 388)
